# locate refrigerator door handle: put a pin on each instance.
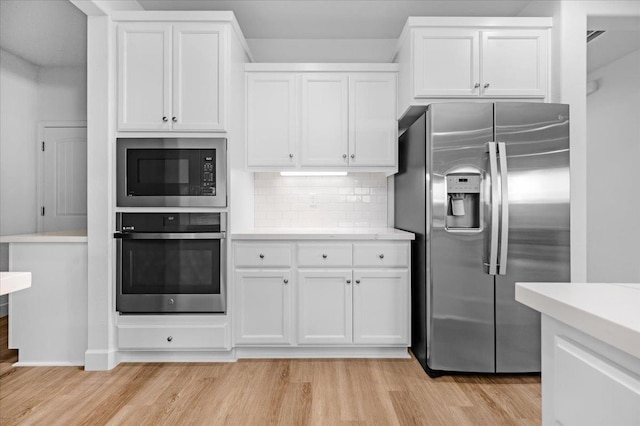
(493, 242)
(504, 222)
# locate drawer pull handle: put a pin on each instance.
(174, 119)
(344, 155)
(261, 256)
(348, 281)
(286, 281)
(486, 86)
(357, 281)
(382, 256)
(324, 256)
(170, 338)
(290, 155)
(165, 119)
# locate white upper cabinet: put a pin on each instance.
(144, 76)
(324, 127)
(271, 112)
(514, 63)
(170, 76)
(373, 130)
(342, 117)
(197, 78)
(446, 62)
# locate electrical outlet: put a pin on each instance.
(313, 200)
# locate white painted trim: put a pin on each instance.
(178, 356)
(42, 125)
(100, 360)
(320, 67)
(170, 134)
(322, 352)
(46, 364)
(105, 7)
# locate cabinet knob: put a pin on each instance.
(486, 86)
(290, 155)
(477, 85)
(174, 119)
(344, 155)
(170, 338)
(286, 281)
(382, 256)
(357, 281)
(324, 256)
(353, 156)
(348, 281)
(171, 301)
(165, 119)
(261, 256)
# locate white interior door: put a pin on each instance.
(64, 179)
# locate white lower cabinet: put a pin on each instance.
(325, 306)
(263, 307)
(380, 306)
(328, 302)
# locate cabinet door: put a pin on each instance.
(271, 119)
(198, 77)
(262, 307)
(446, 63)
(373, 129)
(144, 76)
(324, 306)
(324, 121)
(381, 309)
(514, 63)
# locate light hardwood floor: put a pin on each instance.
(261, 392)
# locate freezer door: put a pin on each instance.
(536, 137)
(460, 327)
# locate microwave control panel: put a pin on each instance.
(208, 180)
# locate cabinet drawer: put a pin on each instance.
(324, 255)
(381, 254)
(172, 337)
(258, 255)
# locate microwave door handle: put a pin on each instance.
(504, 211)
(171, 236)
(493, 242)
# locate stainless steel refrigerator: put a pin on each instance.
(485, 188)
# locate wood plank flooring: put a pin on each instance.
(262, 392)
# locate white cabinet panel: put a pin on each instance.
(271, 119)
(197, 79)
(514, 63)
(324, 255)
(446, 62)
(144, 76)
(381, 306)
(263, 307)
(324, 124)
(324, 307)
(372, 126)
(263, 255)
(381, 255)
(167, 337)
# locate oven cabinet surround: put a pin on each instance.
(306, 296)
(590, 351)
(472, 58)
(321, 117)
(173, 74)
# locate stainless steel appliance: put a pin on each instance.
(485, 188)
(171, 262)
(171, 172)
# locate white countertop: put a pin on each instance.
(608, 312)
(74, 236)
(323, 234)
(14, 281)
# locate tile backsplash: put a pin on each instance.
(358, 200)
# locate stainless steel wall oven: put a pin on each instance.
(171, 172)
(171, 262)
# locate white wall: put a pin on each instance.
(322, 50)
(30, 94)
(18, 116)
(613, 172)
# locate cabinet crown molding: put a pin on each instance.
(320, 67)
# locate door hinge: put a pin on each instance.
(42, 145)
(42, 211)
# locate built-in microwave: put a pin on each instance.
(171, 172)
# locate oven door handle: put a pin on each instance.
(171, 236)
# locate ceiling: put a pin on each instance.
(334, 19)
(621, 36)
(44, 32)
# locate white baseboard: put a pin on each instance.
(46, 364)
(322, 352)
(177, 356)
(100, 360)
